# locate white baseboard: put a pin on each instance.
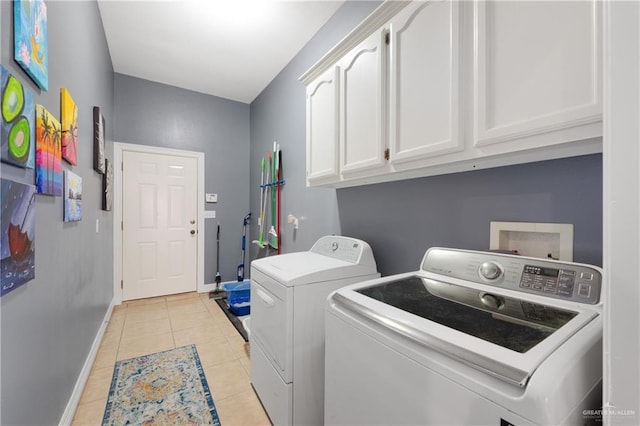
(207, 288)
(74, 400)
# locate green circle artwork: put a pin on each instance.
(12, 99)
(19, 139)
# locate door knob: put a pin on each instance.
(193, 232)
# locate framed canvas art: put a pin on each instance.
(17, 248)
(69, 116)
(72, 197)
(107, 186)
(48, 153)
(17, 129)
(31, 48)
(98, 141)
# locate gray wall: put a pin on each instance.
(49, 324)
(278, 114)
(150, 113)
(402, 219)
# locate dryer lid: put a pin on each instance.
(331, 258)
(307, 267)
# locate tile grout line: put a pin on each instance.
(173, 335)
(230, 341)
(124, 321)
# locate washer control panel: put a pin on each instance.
(549, 280)
(561, 280)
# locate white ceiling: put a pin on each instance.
(227, 48)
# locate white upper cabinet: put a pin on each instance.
(441, 86)
(536, 69)
(362, 113)
(322, 127)
(424, 82)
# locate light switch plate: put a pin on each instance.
(209, 214)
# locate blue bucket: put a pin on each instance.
(238, 296)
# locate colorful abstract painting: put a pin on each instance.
(17, 130)
(69, 113)
(72, 197)
(107, 186)
(17, 248)
(98, 141)
(31, 49)
(48, 153)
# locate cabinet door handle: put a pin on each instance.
(265, 298)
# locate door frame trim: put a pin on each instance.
(118, 149)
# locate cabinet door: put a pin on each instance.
(322, 128)
(537, 68)
(424, 81)
(362, 71)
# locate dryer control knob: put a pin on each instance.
(490, 270)
(491, 301)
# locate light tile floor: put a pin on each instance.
(152, 325)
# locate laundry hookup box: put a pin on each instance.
(238, 296)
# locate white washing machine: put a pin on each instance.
(472, 338)
(288, 297)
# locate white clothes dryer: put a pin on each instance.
(472, 338)
(288, 297)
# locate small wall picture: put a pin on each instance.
(17, 248)
(48, 153)
(31, 48)
(69, 116)
(98, 141)
(72, 197)
(17, 129)
(107, 186)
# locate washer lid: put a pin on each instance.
(308, 267)
(508, 339)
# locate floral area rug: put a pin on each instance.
(164, 388)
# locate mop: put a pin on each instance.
(245, 221)
(273, 233)
(260, 241)
(264, 185)
(279, 187)
(217, 294)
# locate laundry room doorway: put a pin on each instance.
(158, 221)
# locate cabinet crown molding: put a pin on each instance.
(374, 21)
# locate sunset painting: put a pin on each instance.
(48, 153)
(69, 113)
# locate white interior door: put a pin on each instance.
(159, 229)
